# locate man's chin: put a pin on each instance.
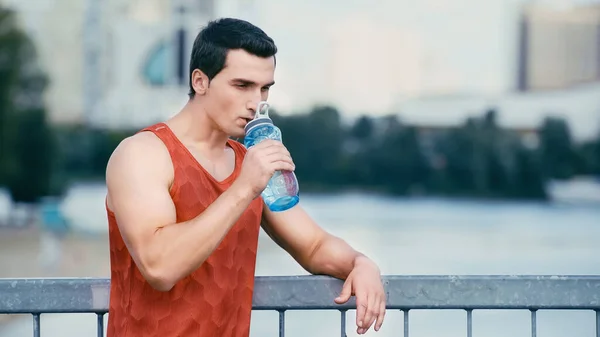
(237, 134)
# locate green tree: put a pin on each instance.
(395, 158)
(11, 46)
(557, 149)
(34, 155)
(27, 143)
(362, 129)
(315, 140)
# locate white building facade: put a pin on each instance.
(114, 63)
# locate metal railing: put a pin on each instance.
(533, 293)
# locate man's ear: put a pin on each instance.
(200, 82)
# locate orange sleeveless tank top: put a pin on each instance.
(216, 299)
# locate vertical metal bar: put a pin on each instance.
(343, 323)
(100, 318)
(405, 323)
(597, 323)
(469, 322)
(281, 323)
(36, 325)
(533, 323)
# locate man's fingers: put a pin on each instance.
(278, 156)
(372, 311)
(362, 305)
(271, 148)
(268, 143)
(271, 145)
(344, 294)
(281, 162)
(274, 152)
(283, 166)
(381, 315)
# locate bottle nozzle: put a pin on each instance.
(262, 110)
(260, 117)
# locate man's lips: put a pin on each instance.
(246, 119)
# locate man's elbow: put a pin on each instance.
(158, 279)
(312, 260)
(156, 274)
(161, 286)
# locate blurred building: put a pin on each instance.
(393, 73)
(560, 47)
(144, 59)
(558, 74)
(114, 63)
(56, 28)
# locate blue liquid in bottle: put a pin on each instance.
(282, 190)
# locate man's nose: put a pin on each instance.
(252, 104)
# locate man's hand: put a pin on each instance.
(364, 282)
(260, 163)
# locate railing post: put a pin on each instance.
(36, 325)
(405, 322)
(281, 323)
(533, 322)
(100, 318)
(597, 323)
(469, 323)
(343, 323)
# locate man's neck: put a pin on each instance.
(193, 126)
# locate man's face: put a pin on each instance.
(233, 94)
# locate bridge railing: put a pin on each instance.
(90, 295)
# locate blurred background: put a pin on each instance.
(436, 136)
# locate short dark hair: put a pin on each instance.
(214, 41)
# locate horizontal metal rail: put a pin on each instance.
(283, 293)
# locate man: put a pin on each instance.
(185, 211)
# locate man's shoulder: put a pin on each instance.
(141, 143)
(138, 150)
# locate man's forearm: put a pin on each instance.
(334, 257)
(182, 247)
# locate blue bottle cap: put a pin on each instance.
(261, 117)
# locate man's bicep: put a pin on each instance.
(138, 193)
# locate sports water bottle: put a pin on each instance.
(281, 192)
